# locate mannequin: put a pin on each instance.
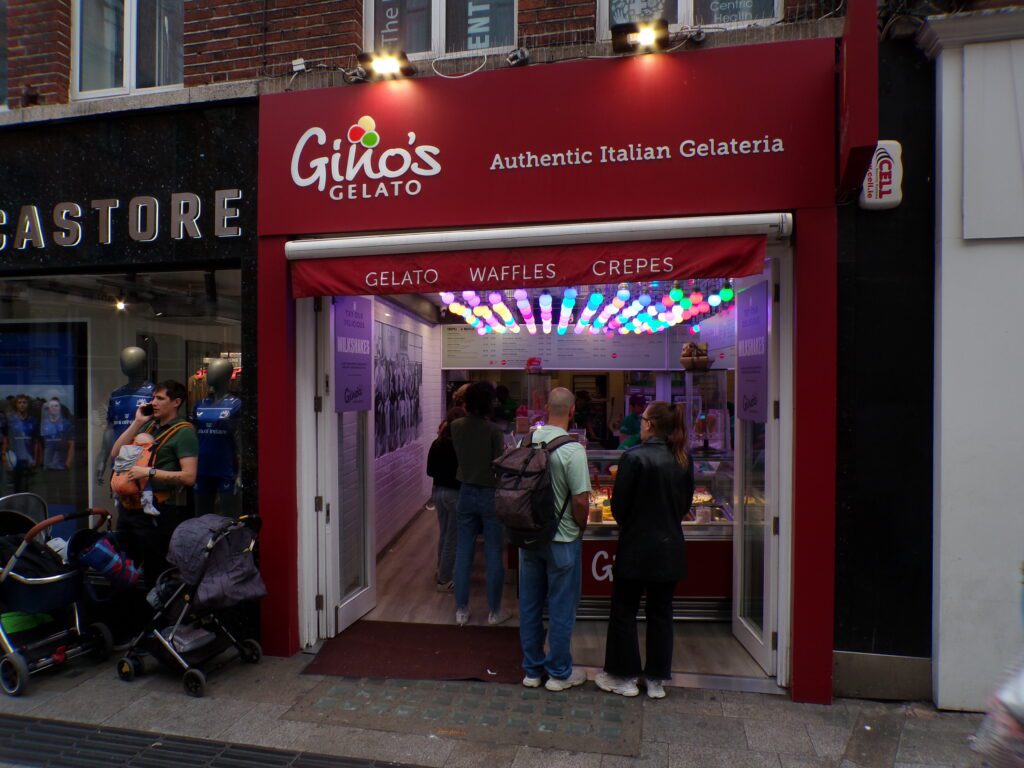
(122, 404)
(216, 419)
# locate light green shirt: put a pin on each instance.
(569, 475)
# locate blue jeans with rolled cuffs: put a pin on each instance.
(476, 515)
(553, 574)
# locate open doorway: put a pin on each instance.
(727, 610)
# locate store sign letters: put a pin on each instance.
(883, 182)
(696, 132)
(141, 219)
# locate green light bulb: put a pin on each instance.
(685, 303)
(676, 294)
(726, 293)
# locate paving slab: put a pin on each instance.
(183, 716)
(652, 755)
(581, 719)
(531, 757)
(466, 754)
(681, 756)
(379, 746)
(874, 740)
(934, 747)
(767, 736)
(803, 761)
(697, 731)
(829, 740)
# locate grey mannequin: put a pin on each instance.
(218, 376)
(133, 365)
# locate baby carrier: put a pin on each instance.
(128, 491)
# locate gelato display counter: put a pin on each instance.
(706, 592)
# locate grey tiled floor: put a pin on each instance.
(688, 729)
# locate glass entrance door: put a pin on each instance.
(755, 540)
(346, 527)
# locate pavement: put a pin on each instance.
(489, 725)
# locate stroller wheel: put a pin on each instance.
(195, 683)
(250, 651)
(102, 641)
(14, 674)
(129, 667)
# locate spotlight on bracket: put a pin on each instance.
(519, 57)
(640, 37)
(386, 65)
(298, 65)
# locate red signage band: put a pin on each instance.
(531, 267)
(717, 131)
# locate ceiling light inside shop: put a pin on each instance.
(120, 305)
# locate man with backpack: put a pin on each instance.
(550, 566)
(145, 538)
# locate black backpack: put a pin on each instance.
(525, 500)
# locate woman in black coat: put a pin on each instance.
(653, 492)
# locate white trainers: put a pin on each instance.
(655, 689)
(532, 682)
(500, 617)
(461, 616)
(624, 686)
(576, 677)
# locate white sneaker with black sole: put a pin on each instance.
(623, 686)
(576, 677)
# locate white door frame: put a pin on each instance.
(342, 612)
(308, 563)
(779, 442)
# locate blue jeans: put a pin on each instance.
(445, 502)
(552, 574)
(475, 512)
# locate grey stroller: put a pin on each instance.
(214, 572)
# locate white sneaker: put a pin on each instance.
(500, 617)
(577, 677)
(532, 682)
(624, 686)
(655, 689)
(462, 616)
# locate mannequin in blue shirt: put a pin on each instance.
(122, 404)
(216, 418)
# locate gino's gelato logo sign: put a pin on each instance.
(357, 168)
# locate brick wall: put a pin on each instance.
(400, 477)
(242, 39)
(557, 22)
(38, 51)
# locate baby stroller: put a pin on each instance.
(214, 572)
(41, 626)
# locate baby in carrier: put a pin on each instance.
(134, 494)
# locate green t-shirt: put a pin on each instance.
(183, 444)
(630, 431)
(569, 475)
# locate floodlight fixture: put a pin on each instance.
(640, 36)
(386, 65)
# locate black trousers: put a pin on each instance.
(622, 649)
(145, 539)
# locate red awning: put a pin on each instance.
(530, 267)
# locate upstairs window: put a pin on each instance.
(125, 46)
(427, 28)
(729, 14)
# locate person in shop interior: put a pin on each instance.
(552, 575)
(145, 538)
(442, 466)
(629, 429)
(653, 491)
(478, 442)
(23, 454)
(57, 433)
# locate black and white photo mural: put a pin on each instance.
(398, 377)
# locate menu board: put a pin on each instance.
(463, 348)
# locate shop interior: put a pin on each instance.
(617, 347)
(81, 351)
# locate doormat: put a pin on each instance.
(582, 719)
(422, 652)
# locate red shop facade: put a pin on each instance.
(649, 167)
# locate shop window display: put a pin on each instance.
(79, 354)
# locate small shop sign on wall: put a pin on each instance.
(883, 183)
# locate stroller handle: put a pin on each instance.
(42, 526)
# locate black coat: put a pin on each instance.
(652, 494)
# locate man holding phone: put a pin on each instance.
(145, 538)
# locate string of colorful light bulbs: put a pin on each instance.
(623, 314)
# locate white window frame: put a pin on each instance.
(438, 16)
(685, 16)
(128, 44)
